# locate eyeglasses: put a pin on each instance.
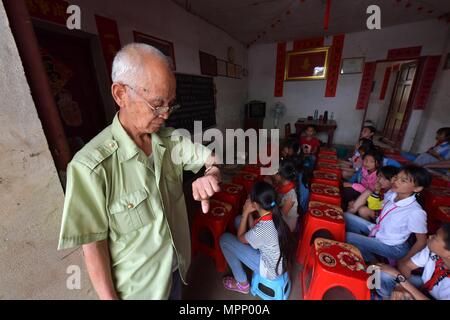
(156, 111)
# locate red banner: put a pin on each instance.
(304, 44)
(109, 38)
(426, 82)
(48, 10)
(281, 63)
(404, 53)
(387, 77)
(366, 85)
(334, 65)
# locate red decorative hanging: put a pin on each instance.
(109, 39)
(427, 77)
(366, 85)
(304, 44)
(327, 15)
(387, 77)
(334, 64)
(404, 53)
(281, 62)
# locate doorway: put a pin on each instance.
(389, 108)
(400, 107)
(71, 73)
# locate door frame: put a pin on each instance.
(408, 111)
(102, 78)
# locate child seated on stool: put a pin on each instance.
(370, 203)
(400, 217)
(365, 179)
(309, 144)
(440, 152)
(289, 148)
(287, 190)
(264, 245)
(355, 162)
(285, 184)
(435, 279)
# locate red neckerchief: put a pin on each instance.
(439, 274)
(267, 217)
(286, 188)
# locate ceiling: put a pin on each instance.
(260, 21)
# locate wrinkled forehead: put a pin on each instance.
(158, 79)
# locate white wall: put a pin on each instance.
(437, 113)
(31, 196)
(303, 97)
(188, 33)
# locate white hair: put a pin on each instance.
(127, 64)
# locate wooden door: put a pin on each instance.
(70, 69)
(399, 110)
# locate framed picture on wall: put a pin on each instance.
(208, 64)
(352, 65)
(166, 47)
(231, 70)
(447, 62)
(221, 68)
(311, 64)
(238, 72)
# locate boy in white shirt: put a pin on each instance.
(435, 280)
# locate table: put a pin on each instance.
(329, 127)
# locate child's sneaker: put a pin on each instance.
(231, 284)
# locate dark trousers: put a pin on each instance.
(175, 292)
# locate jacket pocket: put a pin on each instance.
(131, 211)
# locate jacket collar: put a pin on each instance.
(128, 148)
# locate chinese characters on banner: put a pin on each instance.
(280, 66)
(426, 82)
(366, 85)
(334, 65)
(109, 39)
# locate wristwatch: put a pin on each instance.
(400, 278)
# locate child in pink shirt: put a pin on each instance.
(365, 179)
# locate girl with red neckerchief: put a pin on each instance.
(286, 187)
(264, 244)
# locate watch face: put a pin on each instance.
(400, 278)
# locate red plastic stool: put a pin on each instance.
(325, 193)
(215, 221)
(246, 179)
(320, 216)
(329, 167)
(333, 264)
(253, 168)
(327, 178)
(235, 195)
(435, 197)
(328, 158)
(440, 215)
(438, 181)
(399, 159)
(330, 151)
(389, 152)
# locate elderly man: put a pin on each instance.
(124, 197)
